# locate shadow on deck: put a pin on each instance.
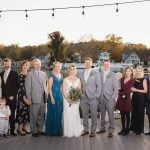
(100, 142)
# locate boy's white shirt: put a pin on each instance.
(4, 111)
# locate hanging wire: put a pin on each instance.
(0, 14)
(77, 7)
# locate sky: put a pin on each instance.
(132, 21)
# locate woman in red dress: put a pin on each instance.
(124, 104)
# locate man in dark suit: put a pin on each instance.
(148, 99)
(9, 90)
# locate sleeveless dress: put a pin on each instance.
(71, 115)
(138, 105)
(54, 112)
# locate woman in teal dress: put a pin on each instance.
(55, 102)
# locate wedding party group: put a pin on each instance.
(62, 106)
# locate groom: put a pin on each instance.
(91, 87)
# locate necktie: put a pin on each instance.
(39, 75)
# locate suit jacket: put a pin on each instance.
(92, 87)
(36, 88)
(148, 89)
(110, 87)
(9, 88)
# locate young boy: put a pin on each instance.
(4, 117)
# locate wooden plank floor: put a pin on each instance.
(100, 142)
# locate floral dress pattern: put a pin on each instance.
(22, 108)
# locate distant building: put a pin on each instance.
(131, 57)
(103, 56)
(45, 60)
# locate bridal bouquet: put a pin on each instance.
(74, 95)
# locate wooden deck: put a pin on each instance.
(100, 142)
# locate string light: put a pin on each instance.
(26, 14)
(53, 13)
(117, 9)
(77, 7)
(83, 12)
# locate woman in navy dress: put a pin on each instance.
(55, 102)
(22, 117)
(138, 101)
(124, 100)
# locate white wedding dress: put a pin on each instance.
(71, 116)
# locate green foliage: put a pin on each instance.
(74, 94)
(57, 46)
(62, 51)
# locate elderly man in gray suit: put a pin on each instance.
(36, 91)
(91, 88)
(109, 93)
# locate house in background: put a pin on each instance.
(45, 60)
(132, 58)
(103, 56)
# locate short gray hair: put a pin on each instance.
(36, 60)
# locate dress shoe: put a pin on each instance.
(41, 133)
(148, 133)
(121, 132)
(92, 134)
(110, 135)
(20, 132)
(101, 131)
(84, 133)
(13, 134)
(126, 132)
(35, 135)
(26, 131)
(137, 133)
(5, 135)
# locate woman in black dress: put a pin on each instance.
(124, 100)
(138, 101)
(23, 104)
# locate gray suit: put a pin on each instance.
(108, 95)
(36, 91)
(91, 91)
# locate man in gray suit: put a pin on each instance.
(91, 87)
(109, 92)
(36, 90)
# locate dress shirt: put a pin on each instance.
(86, 74)
(105, 75)
(6, 73)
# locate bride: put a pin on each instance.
(71, 116)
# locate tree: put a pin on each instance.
(114, 45)
(57, 46)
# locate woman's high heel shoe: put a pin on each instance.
(27, 132)
(22, 133)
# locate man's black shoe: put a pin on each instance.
(41, 133)
(147, 133)
(13, 134)
(35, 135)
